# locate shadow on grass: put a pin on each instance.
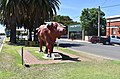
(66, 57)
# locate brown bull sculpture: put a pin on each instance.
(48, 33)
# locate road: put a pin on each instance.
(1, 41)
(112, 52)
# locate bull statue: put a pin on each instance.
(48, 33)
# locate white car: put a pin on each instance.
(114, 39)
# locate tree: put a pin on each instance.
(65, 20)
(89, 21)
(39, 11)
(27, 13)
(11, 11)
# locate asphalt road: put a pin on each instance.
(1, 39)
(112, 52)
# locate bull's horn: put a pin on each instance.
(37, 28)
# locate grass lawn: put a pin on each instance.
(11, 68)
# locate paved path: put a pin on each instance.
(30, 59)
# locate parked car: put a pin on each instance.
(112, 40)
(94, 39)
(115, 39)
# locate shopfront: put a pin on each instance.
(75, 32)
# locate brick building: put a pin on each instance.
(113, 25)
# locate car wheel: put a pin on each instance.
(95, 42)
(106, 42)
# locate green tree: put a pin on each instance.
(27, 13)
(65, 20)
(89, 21)
(10, 11)
(43, 10)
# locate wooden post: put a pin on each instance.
(22, 55)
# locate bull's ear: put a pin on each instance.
(49, 25)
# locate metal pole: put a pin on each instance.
(22, 56)
(83, 34)
(109, 27)
(99, 21)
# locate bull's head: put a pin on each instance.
(55, 26)
(60, 28)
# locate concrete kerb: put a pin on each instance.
(89, 54)
(77, 40)
(2, 45)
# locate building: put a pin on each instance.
(113, 25)
(75, 31)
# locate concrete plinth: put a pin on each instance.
(53, 56)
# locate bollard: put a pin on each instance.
(22, 55)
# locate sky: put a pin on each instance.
(73, 8)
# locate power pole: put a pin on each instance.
(83, 34)
(99, 21)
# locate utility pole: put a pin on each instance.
(109, 26)
(83, 34)
(99, 21)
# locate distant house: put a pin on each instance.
(113, 25)
(75, 31)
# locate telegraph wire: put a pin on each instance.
(104, 2)
(111, 6)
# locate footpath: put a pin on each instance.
(64, 39)
(29, 59)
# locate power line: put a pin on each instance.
(110, 6)
(104, 2)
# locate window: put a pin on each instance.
(118, 37)
(113, 36)
(113, 31)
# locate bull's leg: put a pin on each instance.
(50, 50)
(41, 43)
(46, 50)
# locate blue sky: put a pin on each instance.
(73, 8)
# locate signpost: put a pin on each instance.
(22, 56)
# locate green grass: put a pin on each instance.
(11, 68)
(66, 50)
(35, 51)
